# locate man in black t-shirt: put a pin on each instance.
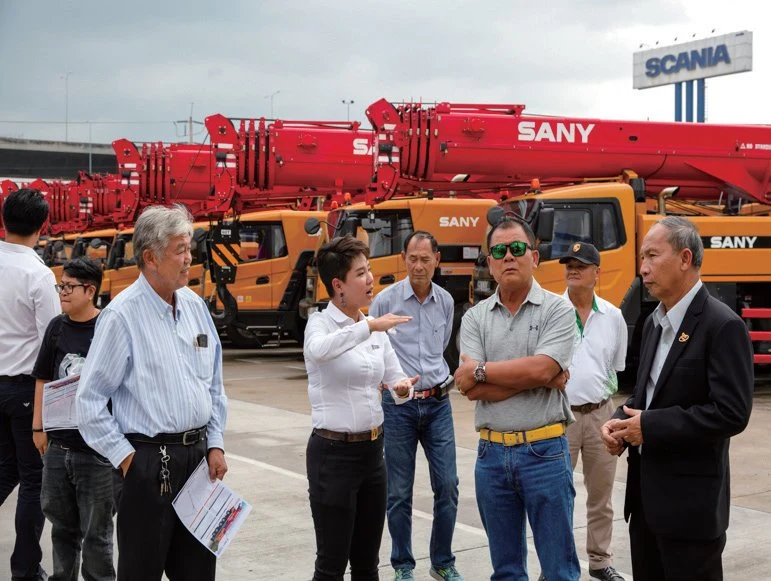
(77, 491)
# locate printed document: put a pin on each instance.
(59, 403)
(211, 511)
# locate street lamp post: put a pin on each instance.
(347, 103)
(271, 101)
(67, 105)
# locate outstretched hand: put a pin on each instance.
(402, 387)
(386, 322)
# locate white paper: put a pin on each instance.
(59, 403)
(211, 511)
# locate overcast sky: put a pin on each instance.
(137, 66)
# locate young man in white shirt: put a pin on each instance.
(29, 303)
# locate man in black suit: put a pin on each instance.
(694, 391)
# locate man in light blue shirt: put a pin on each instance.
(427, 418)
(156, 354)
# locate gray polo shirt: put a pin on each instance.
(543, 325)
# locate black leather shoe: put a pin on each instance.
(541, 577)
(605, 574)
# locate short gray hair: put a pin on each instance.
(682, 234)
(156, 226)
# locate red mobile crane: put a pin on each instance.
(622, 174)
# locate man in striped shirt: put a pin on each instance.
(156, 354)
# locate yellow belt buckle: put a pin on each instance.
(373, 434)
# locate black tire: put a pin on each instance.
(242, 338)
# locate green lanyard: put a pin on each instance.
(578, 317)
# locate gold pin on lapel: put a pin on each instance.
(683, 338)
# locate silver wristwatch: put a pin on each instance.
(480, 373)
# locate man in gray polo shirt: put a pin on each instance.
(515, 348)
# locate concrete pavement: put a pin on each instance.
(267, 431)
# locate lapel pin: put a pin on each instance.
(683, 338)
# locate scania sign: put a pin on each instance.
(671, 63)
(698, 59)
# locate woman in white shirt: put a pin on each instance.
(348, 356)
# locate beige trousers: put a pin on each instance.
(599, 472)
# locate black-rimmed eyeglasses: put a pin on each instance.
(66, 288)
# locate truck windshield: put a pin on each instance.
(383, 231)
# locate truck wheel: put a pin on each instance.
(243, 338)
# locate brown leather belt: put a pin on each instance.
(367, 436)
(438, 391)
(589, 407)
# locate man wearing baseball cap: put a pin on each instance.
(600, 351)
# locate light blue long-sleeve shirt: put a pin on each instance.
(420, 343)
(160, 379)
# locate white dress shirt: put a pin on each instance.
(670, 322)
(28, 302)
(346, 365)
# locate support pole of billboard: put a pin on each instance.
(689, 101)
(701, 101)
(678, 102)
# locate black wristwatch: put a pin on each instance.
(480, 373)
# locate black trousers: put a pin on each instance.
(20, 464)
(348, 488)
(660, 558)
(151, 538)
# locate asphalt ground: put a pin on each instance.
(267, 431)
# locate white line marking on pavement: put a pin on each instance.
(418, 513)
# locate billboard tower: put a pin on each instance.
(682, 64)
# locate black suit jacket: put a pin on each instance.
(703, 396)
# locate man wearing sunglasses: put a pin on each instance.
(29, 303)
(515, 348)
(600, 351)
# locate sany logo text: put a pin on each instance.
(554, 132)
(458, 222)
(362, 146)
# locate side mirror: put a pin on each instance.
(495, 215)
(544, 228)
(544, 251)
(312, 226)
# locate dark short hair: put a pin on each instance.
(509, 223)
(24, 212)
(422, 235)
(85, 271)
(335, 258)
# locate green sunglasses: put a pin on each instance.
(517, 248)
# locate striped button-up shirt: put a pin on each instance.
(162, 375)
(419, 343)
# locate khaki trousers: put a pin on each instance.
(599, 473)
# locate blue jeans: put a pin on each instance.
(20, 464)
(428, 421)
(529, 482)
(77, 497)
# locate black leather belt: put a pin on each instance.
(588, 407)
(188, 438)
(367, 436)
